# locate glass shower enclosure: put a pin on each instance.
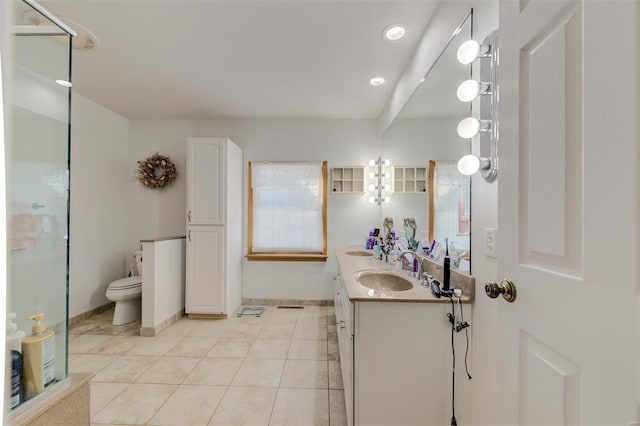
(37, 99)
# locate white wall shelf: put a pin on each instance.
(409, 179)
(347, 180)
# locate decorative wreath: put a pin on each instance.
(157, 171)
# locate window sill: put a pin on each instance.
(287, 257)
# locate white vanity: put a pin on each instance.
(395, 349)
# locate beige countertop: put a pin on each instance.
(351, 265)
(155, 240)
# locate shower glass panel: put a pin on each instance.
(37, 126)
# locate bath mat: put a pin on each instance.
(251, 311)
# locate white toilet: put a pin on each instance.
(127, 293)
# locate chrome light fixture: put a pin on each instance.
(486, 126)
(378, 186)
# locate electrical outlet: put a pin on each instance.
(490, 242)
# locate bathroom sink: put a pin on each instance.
(357, 253)
(382, 280)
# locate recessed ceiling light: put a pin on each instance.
(64, 83)
(394, 32)
(84, 39)
(376, 81)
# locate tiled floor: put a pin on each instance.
(280, 369)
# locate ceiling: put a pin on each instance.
(246, 59)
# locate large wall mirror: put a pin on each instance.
(424, 148)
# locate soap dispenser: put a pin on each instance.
(14, 343)
(39, 356)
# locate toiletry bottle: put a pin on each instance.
(39, 358)
(446, 270)
(16, 379)
(14, 343)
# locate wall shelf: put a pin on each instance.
(408, 179)
(347, 180)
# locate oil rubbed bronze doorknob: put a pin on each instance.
(506, 288)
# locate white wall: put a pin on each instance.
(153, 214)
(99, 146)
(484, 195)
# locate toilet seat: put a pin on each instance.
(126, 283)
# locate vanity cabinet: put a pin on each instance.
(214, 227)
(344, 327)
(396, 361)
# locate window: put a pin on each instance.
(288, 211)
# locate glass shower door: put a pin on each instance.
(37, 113)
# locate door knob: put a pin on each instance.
(506, 288)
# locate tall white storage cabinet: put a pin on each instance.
(214, 227)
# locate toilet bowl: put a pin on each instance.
(127, 293)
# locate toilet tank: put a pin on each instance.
(138, 255)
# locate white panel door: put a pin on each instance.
(205, 289)
(567, 199)
(206, 174)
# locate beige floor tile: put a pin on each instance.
(312, 309)
(335, 375)
(301, 407)
(86, 343)
(125, 369)
(273, 330)
(283, 316)
(269, 349)
(310, 330)
(189, 405)
(310, 374)
(231, 348)
(90, 363)
(332, 332)
(103, 393)
(73, 336)
(332, 350)
(308, 349)
(209, 328)
(180, 328)
(242, 331)
(337, 410)
(169, 370)
(117, 345)
(312, 319)
(245, 406)
(135, 405)
(259, 372)
(214, 371)
(158, 345)
(193, 346)
(331, 310)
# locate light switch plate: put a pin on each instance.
(490, 242)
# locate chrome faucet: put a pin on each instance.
(420, 273)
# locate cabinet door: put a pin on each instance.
(206, 183)
(205, 291)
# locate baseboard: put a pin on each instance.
(86, 315)
(287, 302)
(152, 331)
(207, 316)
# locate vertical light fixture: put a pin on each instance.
(379, 176)
(486, 126)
